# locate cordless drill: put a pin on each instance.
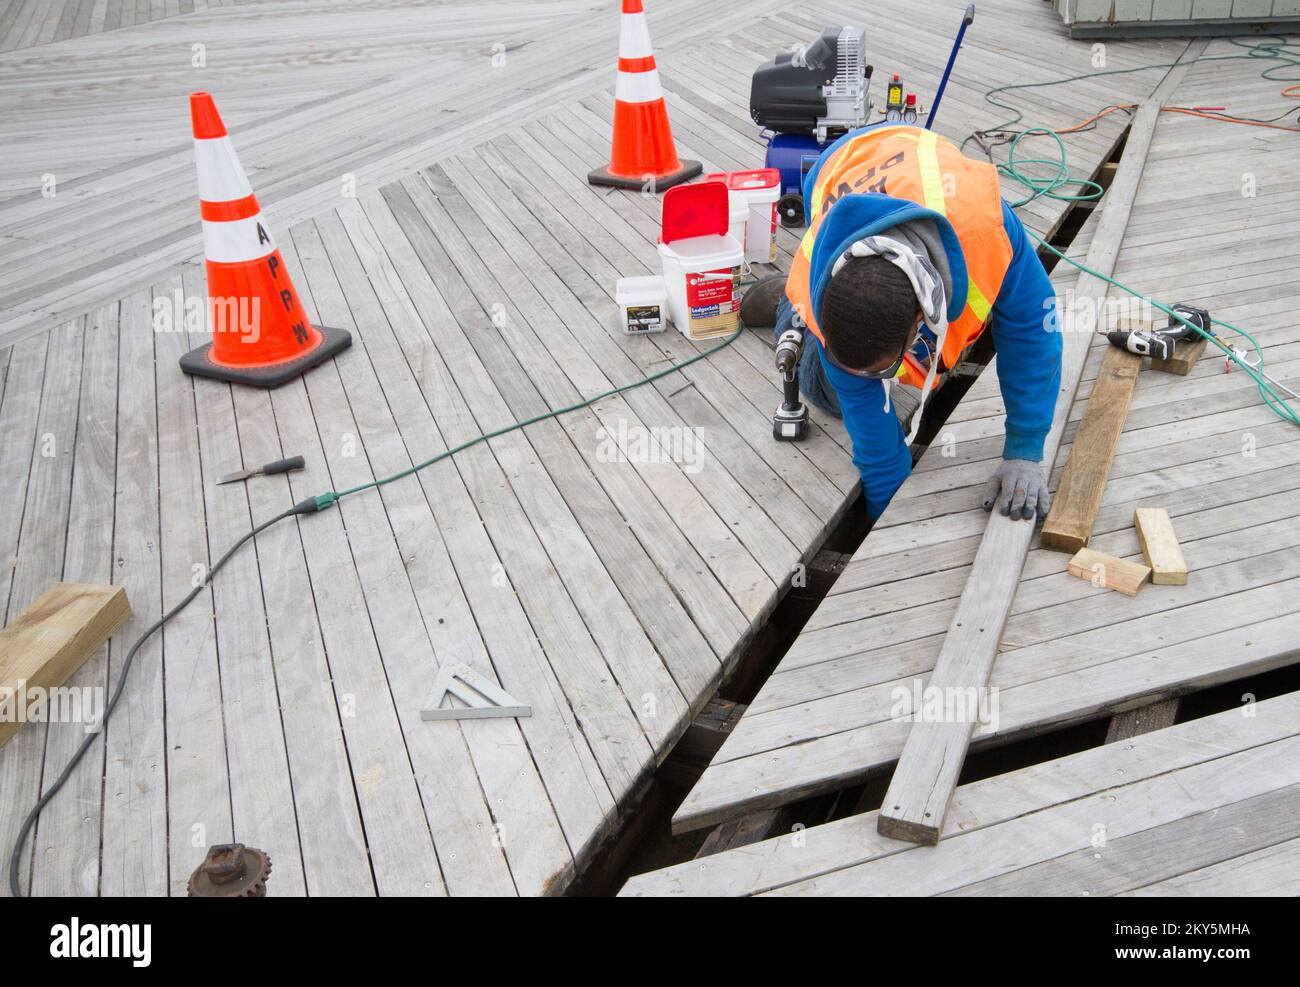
(790, 423)
(1159, 344)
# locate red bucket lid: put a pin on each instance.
(741, 180)
(694, 210)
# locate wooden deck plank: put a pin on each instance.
(1149, 804)
(685, 651)
(597, 587)
(198, 782)
(43, 510)
(263, 810)
(1271, 872)
(417, 615)
(134, 829)
(556, 616)
(384, 418)
(69, 830)
(845, 843)
(1204, 839)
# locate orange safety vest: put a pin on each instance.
(906, 162)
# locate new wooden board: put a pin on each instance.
(52, 638)
(1109, 572)
(1069, 522)
(1160, 546)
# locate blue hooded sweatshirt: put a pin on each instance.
(1023, 322)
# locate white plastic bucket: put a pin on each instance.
(700, 273)
(760, 196)
(642, 303)
(737, 216)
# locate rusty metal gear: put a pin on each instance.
(231, 870)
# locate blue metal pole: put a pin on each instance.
(952, 57)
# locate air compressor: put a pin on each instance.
(807, 99)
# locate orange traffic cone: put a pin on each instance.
(260, 333)
(643, 139)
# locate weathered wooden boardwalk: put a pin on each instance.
(1204, 808)
(476, 269)
(1204, 446)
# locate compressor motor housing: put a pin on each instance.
(821, 90)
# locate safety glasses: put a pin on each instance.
(889, 373)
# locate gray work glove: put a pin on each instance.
(1019, 488)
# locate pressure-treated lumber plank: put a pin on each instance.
(52, 638)
(931, 760)
(1160, 546)
(1109, 572)
(1069, 522)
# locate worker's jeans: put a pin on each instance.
(814, 385)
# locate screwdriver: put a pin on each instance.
(270, 469)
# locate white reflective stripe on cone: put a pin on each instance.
(237, 240)
(634, 37)
(638, 87)
(220, 176)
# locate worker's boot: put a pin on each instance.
(758, 306)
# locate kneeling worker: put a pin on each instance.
(909, 254)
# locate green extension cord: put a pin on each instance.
(1279, 405)
(1049, 185)
(331, 497)
(1059, 176)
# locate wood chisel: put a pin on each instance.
(270, 469)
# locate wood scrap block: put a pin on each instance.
(53, 637)
(1107, 571)
(1160, 546)
(1186, 353)
(1074, 508)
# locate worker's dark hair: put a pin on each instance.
(867, 311)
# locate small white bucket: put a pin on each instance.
(760, 199)
(700, 273)
(642, 304)
(737, 216)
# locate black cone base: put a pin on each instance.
(688, 170)
(333, 342)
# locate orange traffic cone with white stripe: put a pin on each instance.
(260, 333)
(643, 150)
